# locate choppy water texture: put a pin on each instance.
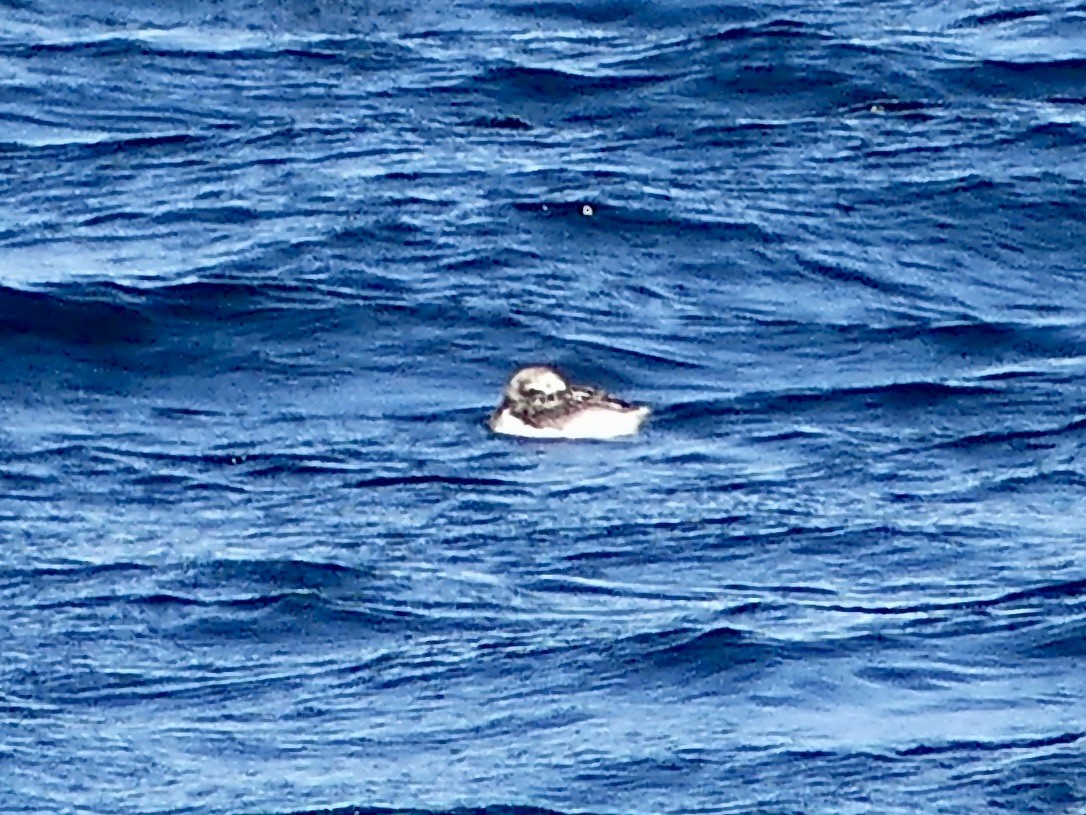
(265, 268)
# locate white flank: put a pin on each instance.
(587, 423)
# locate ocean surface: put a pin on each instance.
(264, 269)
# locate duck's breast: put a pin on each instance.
(590, 422)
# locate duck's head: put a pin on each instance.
(535, 383)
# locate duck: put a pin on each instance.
(540, 402)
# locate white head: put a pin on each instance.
(535, 382)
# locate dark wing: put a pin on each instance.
(594, 396)
(554, 409)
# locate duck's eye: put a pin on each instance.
(540, 395)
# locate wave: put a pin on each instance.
(520, 83)
(778, 29)
(356, 53)
(713, 650)
(579, 586)
(999, 17)
(290, 617)
(444, 480)
(500, 123)
(891, 395)
(956, 333)
(492, 809)
(643, 222)
(1064, 639)
(1045, 80)
(161, 145)
(170, 320)
(1047, 591)
(643, 15)
(100, 687)
(82, 319)
(1049, 481)
(229, 600)
(163, 599)
(854, 273)
(990, 746)
(280, 574)
(597, 11)
(158, 468)
(74, 574)
(293, 575)
(998, 437)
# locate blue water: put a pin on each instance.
(265, 268)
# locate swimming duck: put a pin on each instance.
(540, 403)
